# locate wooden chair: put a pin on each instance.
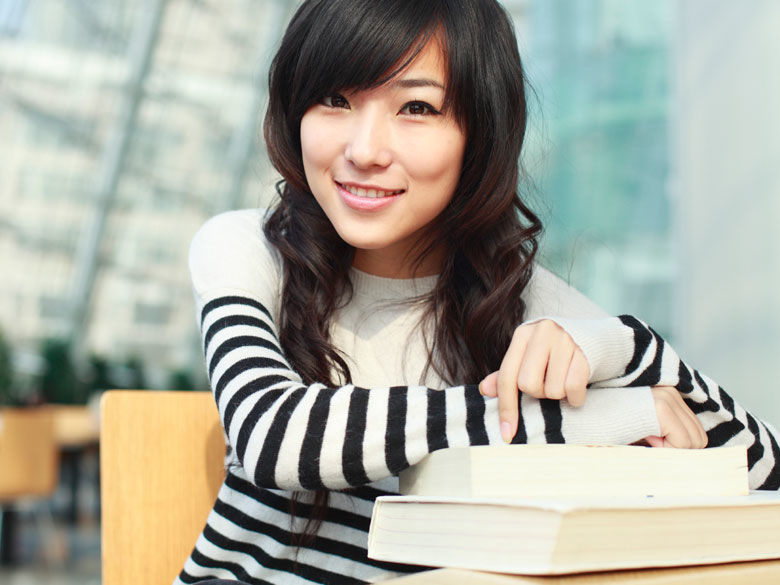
(161, 460)
(29, 471)
(28, 453)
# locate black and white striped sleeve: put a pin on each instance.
(625, 352)
(295, 436)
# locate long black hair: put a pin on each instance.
(488, 233)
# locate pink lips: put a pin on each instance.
(365, 203)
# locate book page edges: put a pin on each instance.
(559, 520)
(429, 534)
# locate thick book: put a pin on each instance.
(534, 536)
(577, 471)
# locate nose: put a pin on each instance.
(368, 144)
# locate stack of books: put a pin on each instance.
(567, 509)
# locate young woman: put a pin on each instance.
(389, 304)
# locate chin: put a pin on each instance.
(359, 240)
(363, 245)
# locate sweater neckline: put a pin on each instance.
(380, 287)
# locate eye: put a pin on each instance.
(335, 101)
(418, 108)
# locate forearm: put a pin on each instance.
(296, 436)
(625, 352)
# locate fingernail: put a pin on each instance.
(506, 432)
(480, 389)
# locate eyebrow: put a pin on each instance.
(416, 82)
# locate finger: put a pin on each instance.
(690, 433)
(577, 378)
(694, 426)
(530, 376)
(557, 370)
(507, 384)
(654, 441)
(679, 431)
(489, 385)
(701, 435)
(672, 429)
(705, 438)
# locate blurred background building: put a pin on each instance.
(653, 154)
(127, 124)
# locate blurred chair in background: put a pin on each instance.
(162, 463)
(28, 473)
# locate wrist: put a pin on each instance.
(611, 416)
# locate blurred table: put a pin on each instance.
(75, 426)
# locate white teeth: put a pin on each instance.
(370, 193)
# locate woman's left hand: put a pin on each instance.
(678, 425)
(542, 361)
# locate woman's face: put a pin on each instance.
(384, 163)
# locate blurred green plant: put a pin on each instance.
(7, 392)
(188, 378)
(136, 374)
(181, 379)
(60, 383)
(107, 374)
(101, 376)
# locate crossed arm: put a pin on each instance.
(544, 362)
(296, 436)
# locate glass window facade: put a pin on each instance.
(626, 115)
(599, 148)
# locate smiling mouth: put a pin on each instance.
(369, 193)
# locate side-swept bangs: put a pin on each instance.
(357, 44)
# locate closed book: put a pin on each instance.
(536, 536)
(577, 470)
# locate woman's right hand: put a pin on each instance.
(679, 426)
(542, 361)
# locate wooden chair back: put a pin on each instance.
(161, 465)
(28, 453)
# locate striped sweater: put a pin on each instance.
(285, 436)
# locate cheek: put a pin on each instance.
(439, 160)
(308, 139)
(316, 147)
